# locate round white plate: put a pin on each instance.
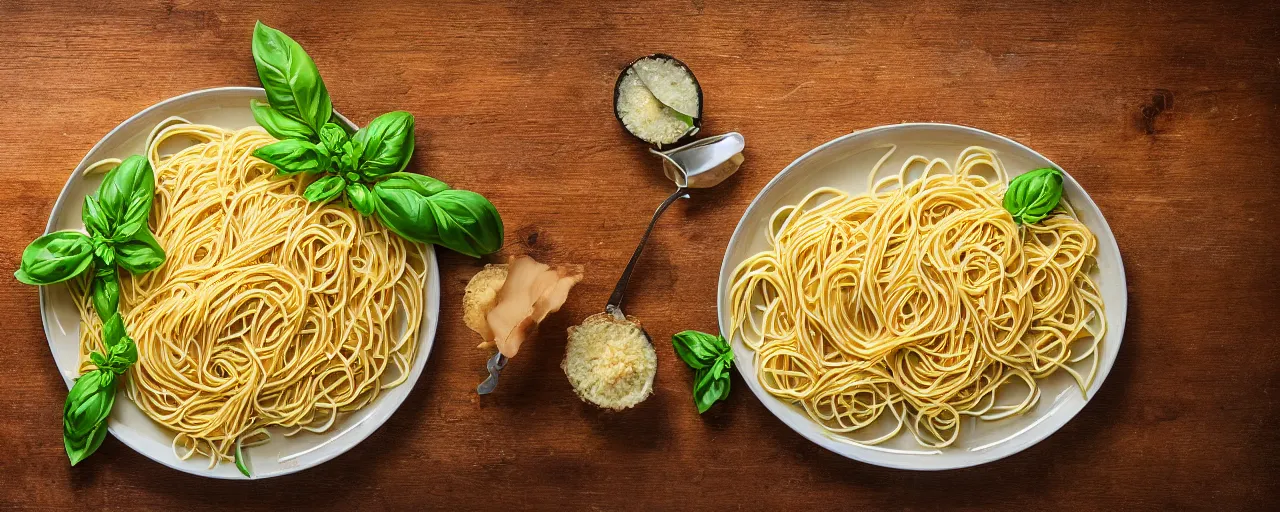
(227, 107)
(844, 163)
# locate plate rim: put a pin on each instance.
(818, 436)
(426, 342)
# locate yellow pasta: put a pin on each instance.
(268, 310)
(921, 298)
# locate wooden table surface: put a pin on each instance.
(1168, 114)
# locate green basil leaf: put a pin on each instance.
(84, 415)
(290, 77)
(333, 137)
(361, 198)
(324, 189)
(141, 254)
(278, 124)
(126, 194)
(104, 252)
(106, 293)
(460, 220)
(95, 218)
(1032, 196)
(349, 156)
(293, 156)
(112, 330)
(423, 185)
(387, 142)
(696, 349)
(54, 258)
(708, 389)
(121, 356)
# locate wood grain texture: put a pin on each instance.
(1167, 113)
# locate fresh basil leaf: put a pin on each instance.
(460, 220)
(361, 198)
(709, 389)
(290, 77)
(84, 415)
(54, 258)
(333, 137)
(140, 254)
(387, 142)
(104, 252)
(126, 194)
(1032, 196)
(424, 185)
(112, 330)
(121, 356)
(293, 156)
(349, 157)
(106, 293)
(696, 349)
(278, 124)
(95, 218)
(324, 189)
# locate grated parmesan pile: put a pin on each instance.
(610, 362)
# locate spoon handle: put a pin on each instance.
(615, 300)
(495, 366)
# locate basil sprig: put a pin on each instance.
(1033, 195)
(118, 237)
(366, 168)
(84, 416)
(710, 357)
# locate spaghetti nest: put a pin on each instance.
(921, 298)
(269, 310)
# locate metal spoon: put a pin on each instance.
(700, 164)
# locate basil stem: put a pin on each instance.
(290, 77)
(54, 258)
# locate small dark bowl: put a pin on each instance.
(697, 121)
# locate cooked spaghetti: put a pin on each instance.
(269, 310)
(921, 299)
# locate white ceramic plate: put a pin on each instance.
(844, 163)
(227, 107)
